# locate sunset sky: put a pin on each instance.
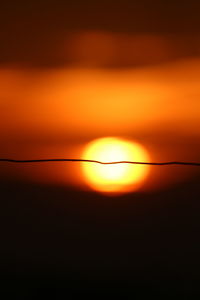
(110, 88)
(73, 72)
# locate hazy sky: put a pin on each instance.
(65, 67)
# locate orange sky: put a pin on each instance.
(55, 112)
(65, 100)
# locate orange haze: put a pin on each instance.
(55, 112)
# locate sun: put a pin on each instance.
(117, 178)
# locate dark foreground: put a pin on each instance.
(57, 238)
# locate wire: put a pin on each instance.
(197, 164)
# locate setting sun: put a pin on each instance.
(118, 178)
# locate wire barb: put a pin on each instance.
(99, 162)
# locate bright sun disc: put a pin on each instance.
(117, 178)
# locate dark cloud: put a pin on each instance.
(34, 33)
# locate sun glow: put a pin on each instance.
(117, 178)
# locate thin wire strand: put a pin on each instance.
(197, 164)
